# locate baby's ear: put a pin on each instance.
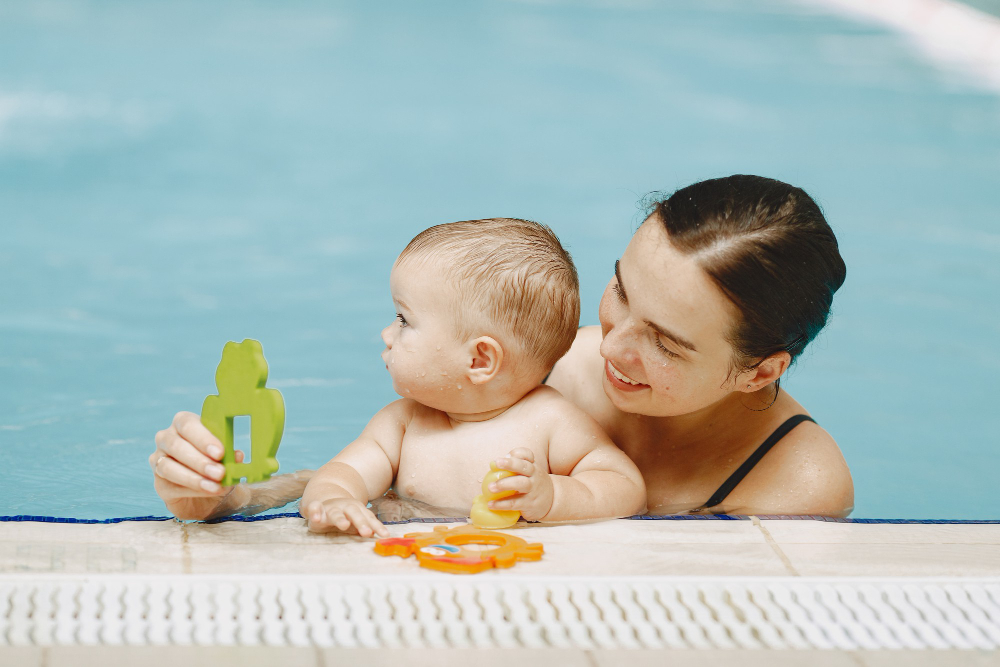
(485, 359)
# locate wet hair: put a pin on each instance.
(514, 281)
(767, 246)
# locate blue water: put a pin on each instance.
(176, 175)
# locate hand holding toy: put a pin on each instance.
(482, 516)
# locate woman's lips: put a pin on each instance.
(618, 383)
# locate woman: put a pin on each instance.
(718, 292)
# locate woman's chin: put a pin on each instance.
(626, 401)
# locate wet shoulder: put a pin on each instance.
(578, 375)
(405, 411)
(545, 402)
(804, 473)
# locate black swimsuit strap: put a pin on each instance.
(741, 472)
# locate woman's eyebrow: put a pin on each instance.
(666, 333)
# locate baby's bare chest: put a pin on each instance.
(446, 467)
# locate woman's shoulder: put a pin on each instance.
(804, 473)
(578, 372)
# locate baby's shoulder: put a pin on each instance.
(547, 408)
(545, 400)
(405, 412)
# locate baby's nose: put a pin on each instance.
(386, 333)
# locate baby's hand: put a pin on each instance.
(345, 515)
(533, 486)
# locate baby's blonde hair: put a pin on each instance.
(512, 273)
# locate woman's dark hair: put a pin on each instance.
(769, 249)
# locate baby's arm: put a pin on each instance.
(590, 477)
(336, 498)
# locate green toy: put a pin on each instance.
(240, 379)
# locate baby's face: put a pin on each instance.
(422, 351)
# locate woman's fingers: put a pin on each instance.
(180, 475)
(188, 425)
(171, 444)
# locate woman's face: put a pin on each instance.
(664, 324)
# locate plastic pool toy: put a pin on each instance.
(482, 516)
(240, 379)
(444, 549)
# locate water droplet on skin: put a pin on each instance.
(439, 347)
(408, 391)
(413, 474)
(459, 386)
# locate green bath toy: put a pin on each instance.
(240, 379)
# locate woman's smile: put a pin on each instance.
(621, 381)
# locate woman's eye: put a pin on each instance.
(662, 347)
(402, 320)
(619, 293)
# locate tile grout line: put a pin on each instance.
(774, 546)
(185, 550)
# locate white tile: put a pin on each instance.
(597, 548)
(454, 658)
(929, 560)
(143, 547)
(929, 658)
(176, 656)
(21, 656)
(720, 658)
(822, 532)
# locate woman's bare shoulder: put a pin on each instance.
(805, 473)
(578, 372)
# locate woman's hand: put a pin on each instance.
(186, 471)
(533, 485)
(345, 515)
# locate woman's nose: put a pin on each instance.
(620, 342)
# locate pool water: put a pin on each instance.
(177, 175)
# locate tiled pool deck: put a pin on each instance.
(747, 548)
(695, 551)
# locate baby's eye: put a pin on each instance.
(619, 293)
(672, 355)
(402, 320)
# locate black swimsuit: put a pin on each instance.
(753, 460)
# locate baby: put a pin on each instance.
(484, 309)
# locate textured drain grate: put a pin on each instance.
(436, 611)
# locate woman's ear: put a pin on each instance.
(765, 373)
(485, 359)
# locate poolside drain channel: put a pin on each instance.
(334, 611)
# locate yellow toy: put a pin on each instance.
(442, 549)
(482, 516)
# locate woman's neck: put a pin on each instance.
(715, 431)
